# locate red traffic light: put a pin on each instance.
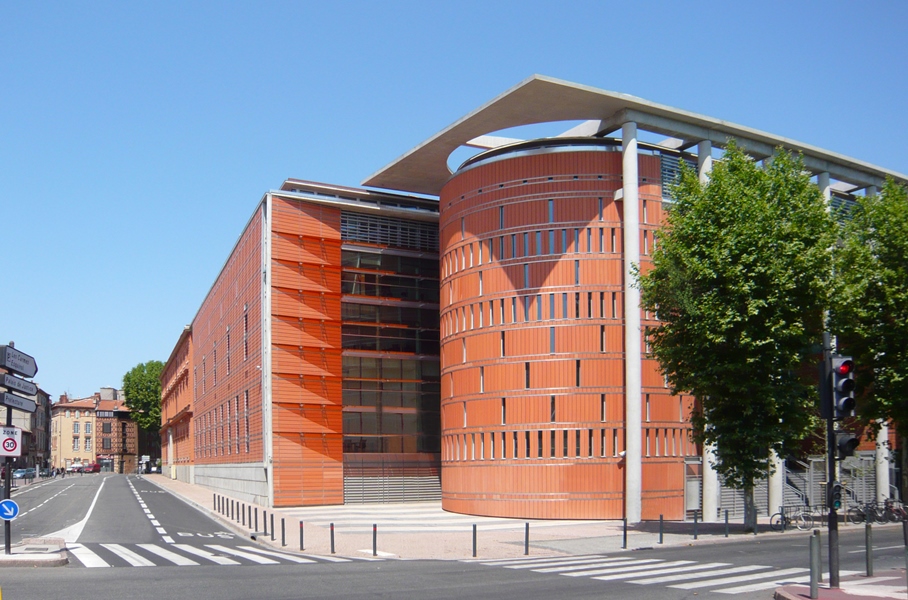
(844, 368)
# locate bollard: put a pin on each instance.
(696, 514)
(868, 543)
(332, 538)
(661, 530)
(302, 545)
(624, 535)
(256, 518)
(726, 522)
(265, 520)
(272, 526)
(214, 501)
(250, 515)
(231, 509)
(243, 513)
(283, 534)
(374, 539)
(815, 568)
(474, 540)
(816, 532)
(526, 540)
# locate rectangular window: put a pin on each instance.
(526, 375)
(526, 244)
(526, 441)
(551, 340)
(614, 240)
(76, 443)
(552, 409)
(105, 444)
(564, 306)
(576, 241)
(526, 275)
(601, 240)
(576, 272)
(513, 245)
(482, 379)
(577, 370)
(551, 241)
(564, 246)
(246, 418)
(504, 415)
(513, 310)
(500, 217)
(552, 444)
(87, 444)
(479, 258)
(228, 353)
(600, 209)
(552, 306)
(106, 428)
(602, 407)
(87, 428)
(76, 427)
(551, 211)
(589, 240)
(602, 338)
(538, 444)
(526, 308)
(538, 307)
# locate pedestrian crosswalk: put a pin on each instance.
(185, 555)
(718, 577)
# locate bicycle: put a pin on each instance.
(784, 519)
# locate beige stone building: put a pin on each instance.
(94, 430)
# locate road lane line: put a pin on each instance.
(607, 562)
(711, 582)
(221, 560)
(71, 534)
(128, 555)
(86, 556)
(290, 557)
(552, 563)
(682, 577)
(173, 557)
(253, 557)
(686, 569)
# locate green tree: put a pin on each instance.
(142, 387)
(869, 313)
(739, 283)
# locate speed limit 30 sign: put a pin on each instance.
(10, 441)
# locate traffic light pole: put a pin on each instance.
(833, 522)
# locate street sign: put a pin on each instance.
(11, 382)
(18, 402)
(19, 363)
(9, 510)
(10, 441)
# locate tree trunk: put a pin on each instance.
(750, 509)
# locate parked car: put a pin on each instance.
(24, 474)
(91, 468)
(74, 468)
(44, 473)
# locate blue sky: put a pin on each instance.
(137, 137)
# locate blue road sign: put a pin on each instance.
(9, 510)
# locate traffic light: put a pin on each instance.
(835, 496)
(846, 443)
(843, 386)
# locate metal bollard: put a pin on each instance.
(624, 535)
(250, 515)
(265, 519)
(302, 544)
(868, 543)
(726, 522)
(214, 501)
(231, 509)
(374, 539)
(283, 534)
(474, 540)
(332, 538)
(696, 514)
(526, 540)
(816, 532)
(661, 530)
(815, 568)
(256, 518)
(272, 526)
(243, 513)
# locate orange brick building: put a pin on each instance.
(482, 340)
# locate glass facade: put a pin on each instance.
(390, 336)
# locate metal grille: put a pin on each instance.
(841, 207)
(671, 172)
(388, 231)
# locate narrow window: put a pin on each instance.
(602, 407)
(601, 240)
(526, 244)
(577, 372)
(502, 344)
(504, 414)
(577, 443)
(492, 446)
(589, 305)
(551, 340)
(564, 306)
(564, 246)
(576, 272)
(551, 211)
(564, 443)
(577, 305)
(504, 445)
(551, 241)
(462, 228)
(479, 312)
(482, 379)
(647, 408)
(513, 310)
(526, 276)
(538, 243)
(552, 408)
(526, 375)
(645, 242)
(552, 306)
(538, 307)
(600, 209)
(228, 351)
(464, 406)
(644, 211)
(538, 444)
(500, 217)
(513, 245)
(552, 444)
(480, 254)
(614, 305)
(526, 309)
(614, 241)
(602, 338)
(589, 240)
(463, 346)
(576, 241)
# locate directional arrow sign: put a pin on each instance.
(18, 402)
(11, 382)
(9, 510)
(19, 363)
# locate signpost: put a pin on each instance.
(15, 363)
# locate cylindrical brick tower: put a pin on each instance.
(532, 337)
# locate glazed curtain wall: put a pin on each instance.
(532, 342)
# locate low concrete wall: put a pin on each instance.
(245, 481)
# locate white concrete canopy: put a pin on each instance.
(540, 99)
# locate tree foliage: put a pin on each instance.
(869, 314)
(739, 283)
(142, 387)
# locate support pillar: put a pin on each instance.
(823, 184)
(633, 352)
(882, 463)
(710, 485)
(704, 160)
(776, 482)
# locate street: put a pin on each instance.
(122, 522)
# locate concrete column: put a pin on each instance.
(823, 184)
(871, 190)
(776, 482)
(633, 461)
(882, 463)
(710, 485)
(704, 161)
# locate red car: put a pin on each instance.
(91, 468)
